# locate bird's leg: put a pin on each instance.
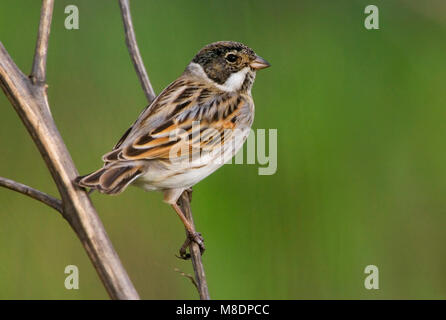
(192, 235)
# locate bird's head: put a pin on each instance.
(230, 65)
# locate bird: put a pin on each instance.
(195, 125)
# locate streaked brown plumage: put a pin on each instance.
(195, 125)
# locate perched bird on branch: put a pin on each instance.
(190, 130)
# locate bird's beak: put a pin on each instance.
(259, 63)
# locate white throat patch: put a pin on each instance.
(233, 83)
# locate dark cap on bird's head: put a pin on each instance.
(221, 59)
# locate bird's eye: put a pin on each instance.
(231, 57)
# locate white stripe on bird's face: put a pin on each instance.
(233, 83)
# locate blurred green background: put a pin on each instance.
(361, 173)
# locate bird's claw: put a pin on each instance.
(191, 237)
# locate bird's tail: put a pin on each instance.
(111, 179)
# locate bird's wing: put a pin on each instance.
(187, 117)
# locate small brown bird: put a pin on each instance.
(190, 130)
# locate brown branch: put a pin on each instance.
(38, 73)
(195, 253)
(54, 203)
(184, 201)
(30, 101)
(132, 46)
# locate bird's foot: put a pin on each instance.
(191, 237)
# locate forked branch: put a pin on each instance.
(29, 99)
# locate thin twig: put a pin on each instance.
(195, 253)
(132, 46)
(148, 90)
(29, 99)
(33, 193)
(38, 74)
(187, 275)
